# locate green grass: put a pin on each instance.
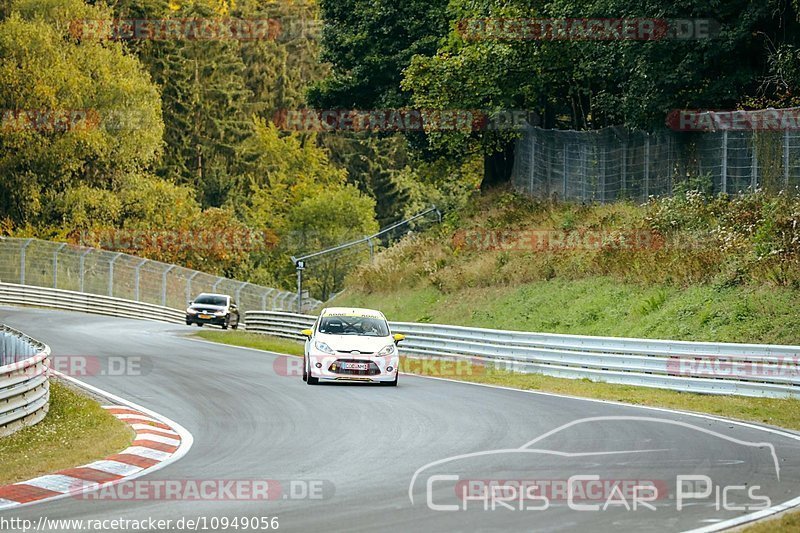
(785, 524)
(253, 340)
(602, 306)
(75, 431)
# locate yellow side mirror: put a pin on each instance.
(398, 337)
(307, 332)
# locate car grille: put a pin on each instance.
(336, 368)
(348, 352)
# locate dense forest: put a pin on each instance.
(177, 133)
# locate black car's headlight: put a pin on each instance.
(191, 311)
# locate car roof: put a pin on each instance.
(352, 311)
(213, 294)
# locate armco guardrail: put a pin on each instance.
(704, 367)
(24, 385)
(25, 295)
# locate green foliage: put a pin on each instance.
(44, 69)
(368, 44)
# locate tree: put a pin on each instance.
(205, 99)
(332, 216)
(368, 44)
(73, 102)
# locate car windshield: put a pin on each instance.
(354, 325)
(211, 300)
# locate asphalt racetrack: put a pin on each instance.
(354, 457)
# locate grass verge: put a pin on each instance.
(783, 413)
(253, 340)
(602, 306)
(75, 431)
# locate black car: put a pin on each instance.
(215, 309)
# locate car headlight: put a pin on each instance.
(324, 348)
(219, 313)
(191, 311)
(387, 350)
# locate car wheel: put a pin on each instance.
(199, 324)
(311, 380)
(305, 370)
(226, 323)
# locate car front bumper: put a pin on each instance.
(333, 368)
(212, 320)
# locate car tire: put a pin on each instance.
(199, 324)
(226, 323)
(311, 380)
(305, 370)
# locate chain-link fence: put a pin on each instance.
(76, 268)
(614, 164)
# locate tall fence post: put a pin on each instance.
(22, 261)
(564, 192)
(55, 264)
(136, 281)
(264, 295)
(624, 166)
(786, 159)
(603, 177)
(82, 267)
(164, 285)
(724, 170)
(111, 273)
(189, 286)
(754, 165)
(239, 292)
(371, 249)
(647, 168)
(532, 171)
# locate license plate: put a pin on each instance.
(204, 316)
(355, 366)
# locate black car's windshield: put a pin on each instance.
(211, 300)
(354, 325)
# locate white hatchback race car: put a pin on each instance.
(348, 344)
